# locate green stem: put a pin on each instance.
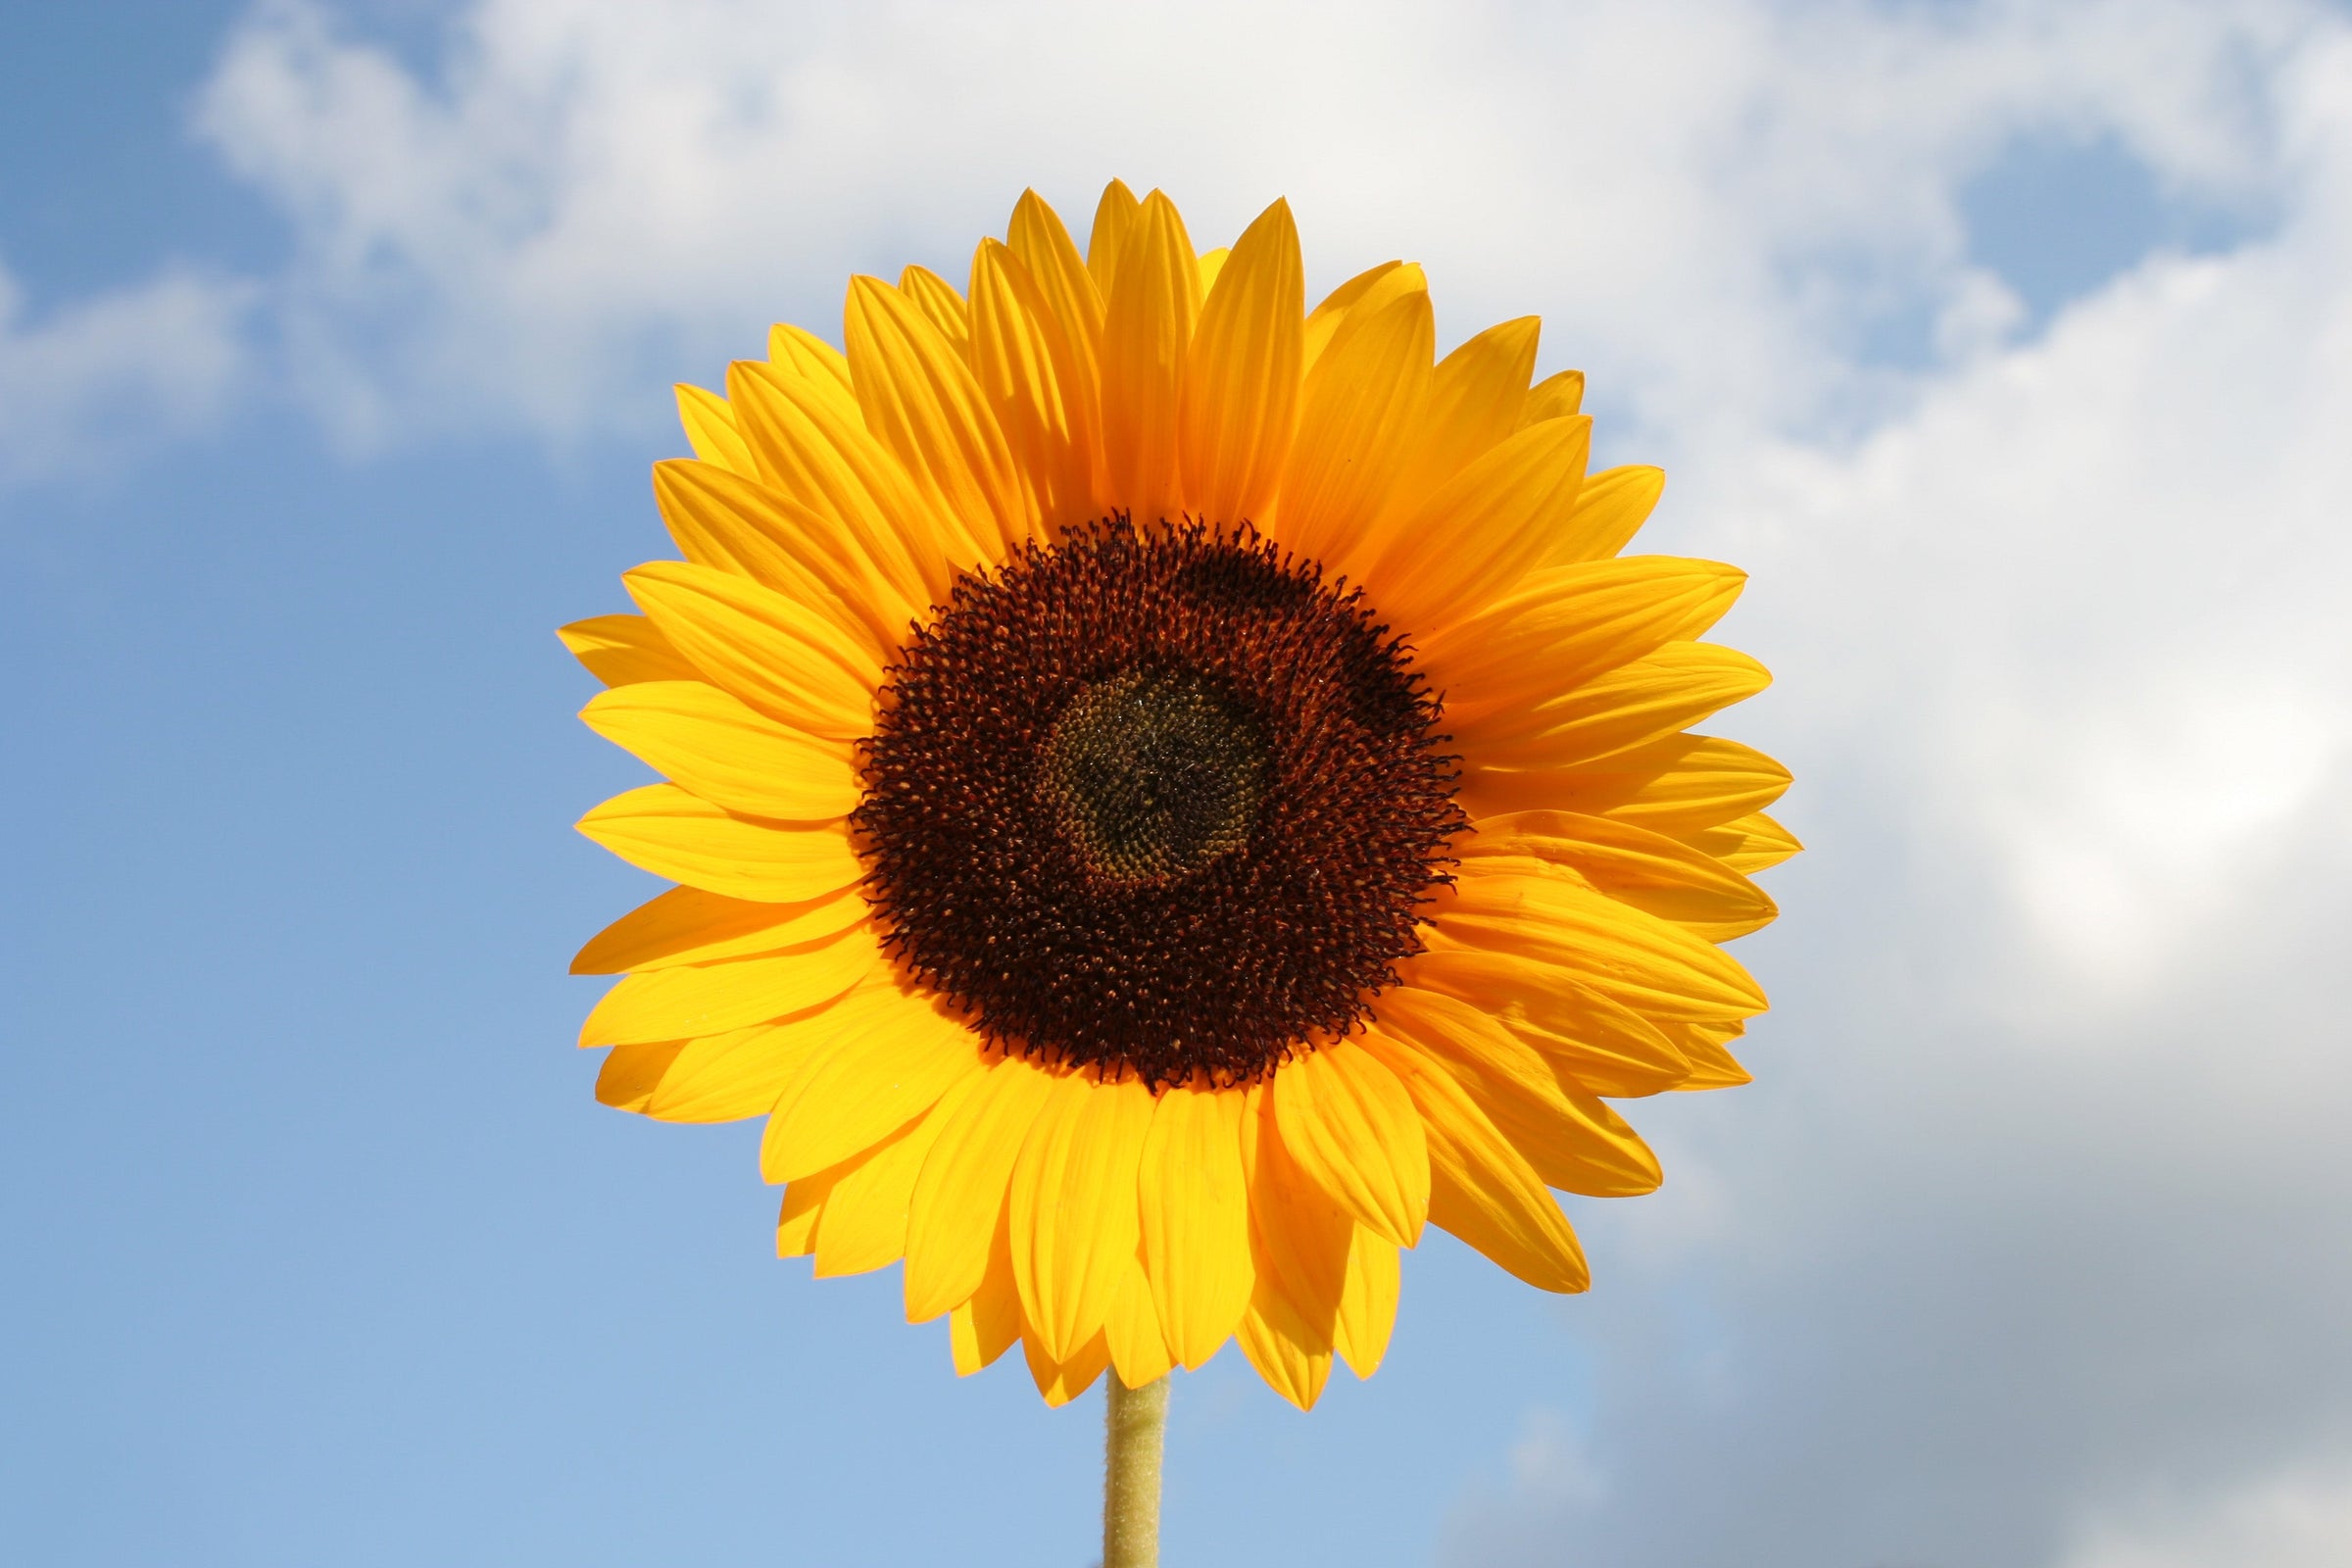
(1136, 1421)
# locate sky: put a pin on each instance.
(2007, 346)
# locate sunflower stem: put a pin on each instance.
(1136, 1421)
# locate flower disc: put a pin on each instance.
(1161, 800)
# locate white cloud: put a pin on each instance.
(2302, 1521)
(1698, 197)
(104, 375)
(2106, 563)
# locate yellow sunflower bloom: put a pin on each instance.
(1170, 793)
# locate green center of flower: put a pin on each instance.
(1152, 775)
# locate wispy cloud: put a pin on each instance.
(101, 378)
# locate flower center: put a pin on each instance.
(1152, 774)
(1158, 801)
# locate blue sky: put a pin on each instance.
(2010, 348)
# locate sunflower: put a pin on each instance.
(1170, 793)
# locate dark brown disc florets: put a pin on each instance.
(1156, 800)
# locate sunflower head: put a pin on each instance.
(1170, 792)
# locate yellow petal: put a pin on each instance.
(918, 395)
(1675, 786)
(710, 432)
(1748, 845)
(711, 744)
(959, 1200)
(775, 655)
(888, 1057)
(1036, 236)
(686, 925)
(804, 1209)
(1074, 1227)
(1482, 529)
(1634, 705)
(1031, 377)
(1350, 1126)
(1116, 216)
(1473, 400)
(742, 526)
(985, 1327)
(1601, 1046)
(1711, 1065)
(800, 354)
(712, 997)
(817, 451)
(1633, 958)
(1571, 1140)
(865, 1215)
(630, 1075)
(662, 829)
(1293, 1359)
(941, 305)
(1609, 511)
(1324, 320)
(1212, 266)
(729, 1076)
(619, 650)
(808, 1203)
(1367, 1303)
(1298, 1234)
(1651, 871)
(1139, 1351)
(1194, 1215)
(1241, 383)
(1556, 397)
(1360, 403)
(1561, 628)
(1061, 1382)
(1482, 1189)
(1146, 333)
